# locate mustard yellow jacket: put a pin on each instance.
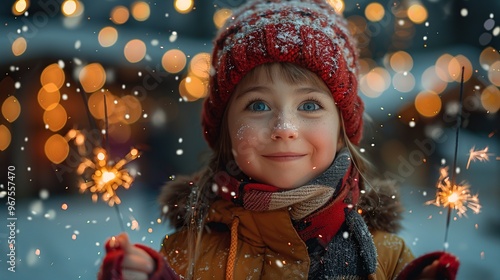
(265, 246)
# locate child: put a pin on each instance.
(284, 195)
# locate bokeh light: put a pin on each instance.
(53, 74)
(19, 46)
(119, 111)
(108, 36)
(375, 82)
(488, 56)
(135, 50)
(490, 99)
(133, 109)
(48, 96)
(11, 109)
(403, 82)
(428, 103)
(173, 61)
(494, 73)
(442, 67)
(183, 6)
(220, 17)
(120, 14)
(19, 7)
(195, 88)
(366, 65)
(140, 10)
(92, 77)
(374, 12)
(68, 7)
(200, 65)
(431, 80)
(401, 61)
(337, 5)
(455, 68)
(56, 148)
(417, 13)
(184, 93)
(56, 118)
(72, 9)
(5, 137)
(96, 104)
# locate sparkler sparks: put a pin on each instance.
(105, 177)
(481, 155)
(455, 196)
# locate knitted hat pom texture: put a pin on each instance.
(310, 34)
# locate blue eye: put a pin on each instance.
(258, 106)
(309, 106)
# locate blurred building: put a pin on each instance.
(86, 84)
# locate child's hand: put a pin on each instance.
(435, 265)
(137, 264)
(125, 261)
(429, 272)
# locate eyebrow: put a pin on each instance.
(309, 89)
(251, 89)
(305, 90)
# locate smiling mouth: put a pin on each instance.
(283, 156)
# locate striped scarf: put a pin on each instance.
(321, 212)
(315, 208)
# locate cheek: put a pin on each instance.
(324, 137)
(243, 132)
(243, 138)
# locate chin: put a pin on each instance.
(286, 185)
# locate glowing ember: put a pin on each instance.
(481, 155)
(105, 178)
(134, 225)
(455, 196)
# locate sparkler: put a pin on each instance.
(100, 175)
(106, 177)
(455, 196)
(449, 194)
(481, 155)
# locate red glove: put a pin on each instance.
(111, 268)
(446, 267)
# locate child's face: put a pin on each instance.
(283, 134)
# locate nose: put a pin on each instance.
(284, 129)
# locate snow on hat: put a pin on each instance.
(308, 33)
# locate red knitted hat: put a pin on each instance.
(308, 33)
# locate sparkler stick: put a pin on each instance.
(120, 217)
(450, 194)
(99, 175)
(87, 110)
(115, 205)
(455, 156)
(106, 124)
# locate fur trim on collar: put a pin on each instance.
(380, 205)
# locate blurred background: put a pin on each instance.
(74, 72)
